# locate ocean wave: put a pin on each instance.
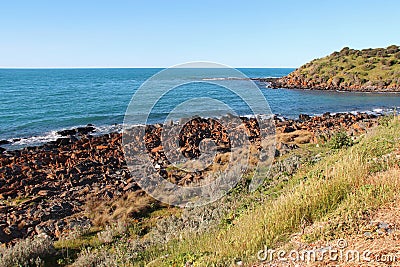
(215, 79)
(37, 140)
(115, 128)
(47, 137)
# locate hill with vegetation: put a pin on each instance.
(349, 70)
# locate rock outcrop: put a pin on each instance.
(367, 70)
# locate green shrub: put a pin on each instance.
(340, 140)
(385, 120)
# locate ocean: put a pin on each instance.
(36, 103)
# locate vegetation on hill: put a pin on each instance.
(354, 70)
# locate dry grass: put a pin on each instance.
(332, 195)
(378, 200)
(122, 209)
(312, 195)
(296, 137)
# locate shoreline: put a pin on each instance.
(277, 83)
(20, 142)
(51, 184)
(340, 91)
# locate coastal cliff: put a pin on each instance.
(367, 70)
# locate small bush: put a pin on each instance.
(106, 236)
(368, 66)
(392, 62)
(392, 49)
(385, 120)
(28, 252)
(89, 257)
(110, 232)
(340, 140)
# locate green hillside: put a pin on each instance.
(356, 70)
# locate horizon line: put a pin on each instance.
(137, 67)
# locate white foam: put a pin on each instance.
(53, 136)
(35, 140)
(105, 129)
(379, 110)
(214, 79)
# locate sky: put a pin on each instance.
(162, 33)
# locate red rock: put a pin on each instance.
(156, 149)
(43, 193)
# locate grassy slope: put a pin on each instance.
(339, 186)
(336, 189)
(358, 68)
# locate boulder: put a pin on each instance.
(67, 132)
(62, 141)
(4, 238)
(288, 129)
(4, 142)
(85, 130)
(304, 117)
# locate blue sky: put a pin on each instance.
(161, 33)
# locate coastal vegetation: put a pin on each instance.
(318, 191)
(341, 189)
(349, 69)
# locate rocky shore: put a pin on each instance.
(295, 81)
(45, 189)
